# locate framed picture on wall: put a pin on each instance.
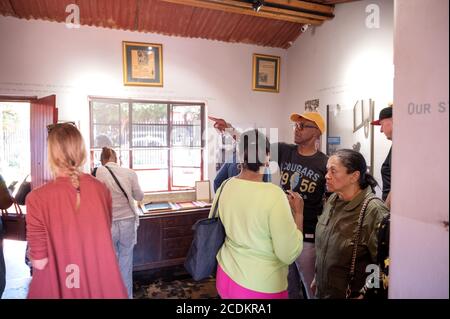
(142, 64)
(203, 191)
(362, 111)
(341, 133)
(312, 105)
(266, 73)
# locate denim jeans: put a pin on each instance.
(124, 239)
(306, 265)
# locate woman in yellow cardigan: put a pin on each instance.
(263, 228)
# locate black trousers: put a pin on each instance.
(296, 289)
(2, 262)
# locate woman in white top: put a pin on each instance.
(125, 215)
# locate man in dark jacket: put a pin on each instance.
(386, 126)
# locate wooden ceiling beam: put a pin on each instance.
(238, 7)
(303, 5)
(294, 13)
(333, 2)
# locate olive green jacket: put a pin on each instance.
(334, 243)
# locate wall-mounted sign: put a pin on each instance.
(334, 140)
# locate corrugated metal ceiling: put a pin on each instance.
(159, 16)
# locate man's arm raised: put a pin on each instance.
(224, 127)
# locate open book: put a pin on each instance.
(167, 206)
(152, 206)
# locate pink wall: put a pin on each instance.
(419, 240)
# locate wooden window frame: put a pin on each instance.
(169, 147)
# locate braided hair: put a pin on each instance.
(66, 151)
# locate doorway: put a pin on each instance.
(15, 167)
(15, 162)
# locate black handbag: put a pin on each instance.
(6, 200)
(209, 235)
(14, 225)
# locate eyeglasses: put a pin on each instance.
(50, 127)
(301, 126)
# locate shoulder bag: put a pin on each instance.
(209, 235)
(13, 224)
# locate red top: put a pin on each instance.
(81, 258)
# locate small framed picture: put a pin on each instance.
(142, 64)
(362, 111)
(266, 73)
(203, 191)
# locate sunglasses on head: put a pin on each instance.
(50, 127)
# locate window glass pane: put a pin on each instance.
(186, 136)
(186, 114)
(149, 113)
(105, 113)
(124, 158)
(106, 135)
(149, 135)
(186, 157)
(154, 180)
(149, 125)
(186, 129)
(150, 158)
(185, 177)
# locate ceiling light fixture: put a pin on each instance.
(257, 4)
(304, 28)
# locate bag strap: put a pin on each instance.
(356, 239)
(216, 207)
(118, 184)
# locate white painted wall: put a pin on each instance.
(419, 240)
(341, 62)
(42, 58)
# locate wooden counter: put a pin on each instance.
(164, 238)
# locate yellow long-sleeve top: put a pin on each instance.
(261, 236)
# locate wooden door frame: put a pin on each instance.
(10, 98)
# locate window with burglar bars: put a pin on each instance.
(161, 141)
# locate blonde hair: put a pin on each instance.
(66, 151)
